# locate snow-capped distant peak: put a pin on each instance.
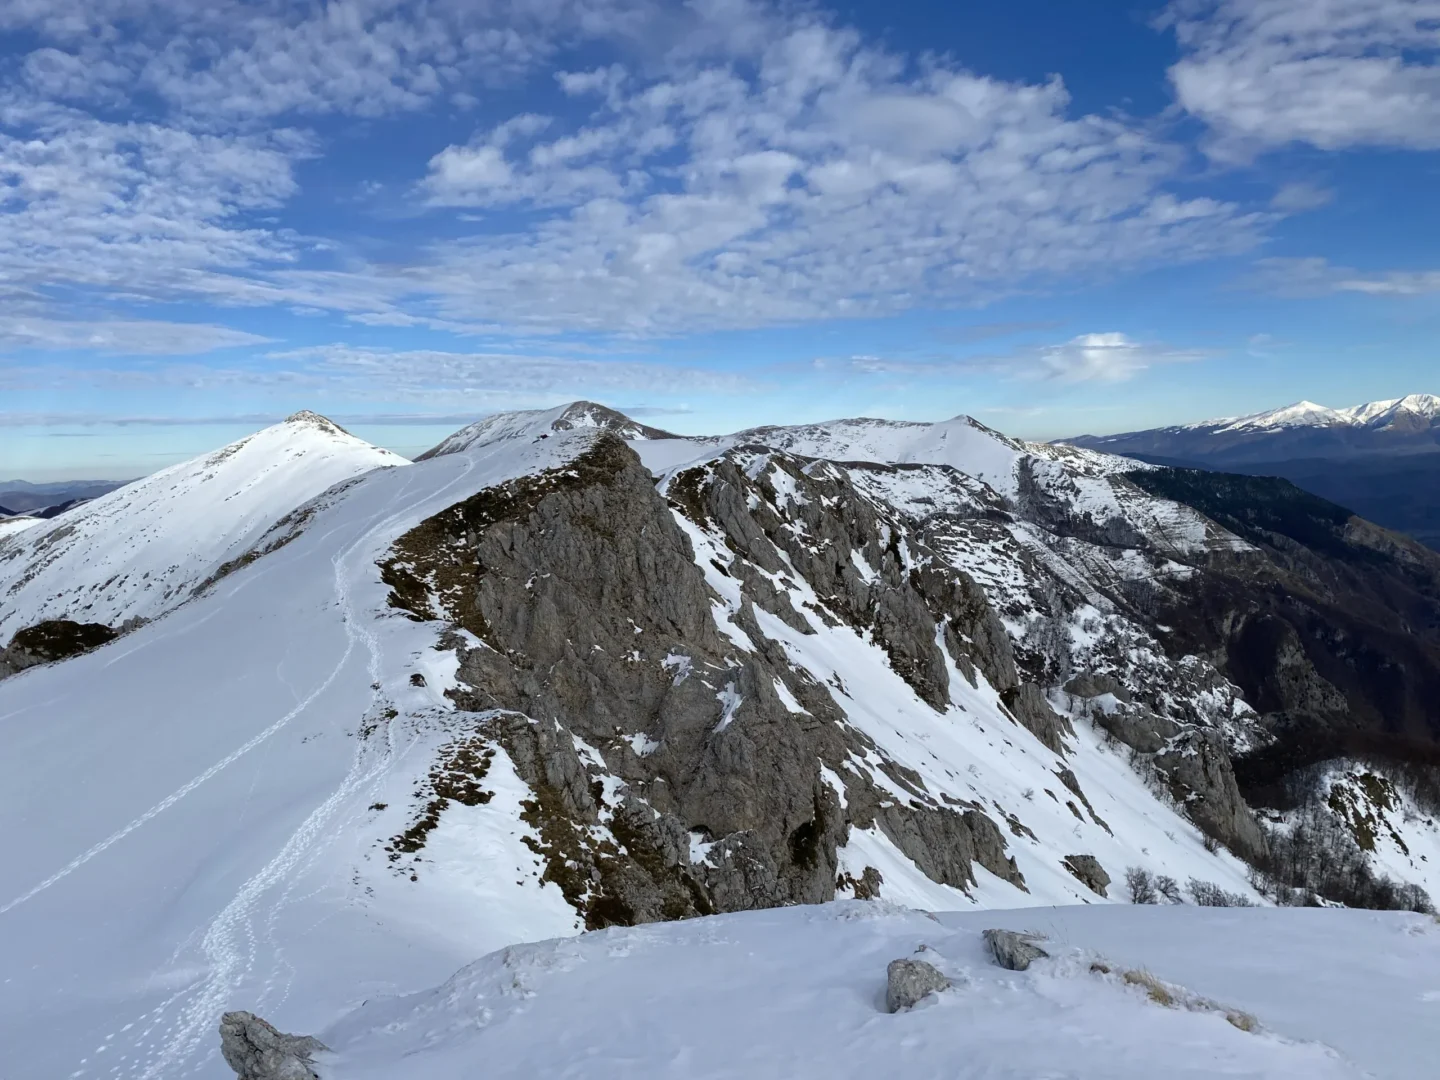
(1383, 413)
(535, 423)
(1300, 414)
(1303, 414)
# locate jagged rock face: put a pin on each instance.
(867, 564)
(1201, 776)
(683, 762)
(624, 706)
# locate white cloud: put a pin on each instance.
(134, 207)
(1297, 198)
(1330, 73)
(1105, 357)
(500, 378)
(242, 60)
(139, 337)
(750, 166)
(817, 177)
(1108, 356)
(1318, 277)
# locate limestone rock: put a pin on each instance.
(1202, 778)
(1088, 872)
(1027, 702)
(1014, 951)
(601, 658)
(908, 981)
(256, 1051)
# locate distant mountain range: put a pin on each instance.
(1380, 459)
(46, 500)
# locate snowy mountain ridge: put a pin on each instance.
(1373, 414)
(138, 551)
(569, 672)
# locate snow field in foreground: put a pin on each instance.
(800, 992)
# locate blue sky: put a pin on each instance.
(1056, 217)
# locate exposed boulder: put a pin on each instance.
(52, 640)
(1014, 951)
(256, 1051)
(1088, 871)
(908, 981)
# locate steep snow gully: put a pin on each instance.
(377, 720)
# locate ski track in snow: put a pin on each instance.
(231, 960)
(230, 944)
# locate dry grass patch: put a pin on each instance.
(1168, 996)
(1155, 990)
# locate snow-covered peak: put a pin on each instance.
(140, 550)
(1307, 414)
(1381, 414)
(537, 423)
(962, 443)
(1300, 414)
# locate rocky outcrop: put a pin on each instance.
(583, 588)
(1012, 950)
(256, 1051)
(1087, 870)
(52, 640)
(1200, 775)
(907, 982)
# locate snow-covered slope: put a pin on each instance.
(189, 809)
(11, 525)
(1300, 414)
(800, 992)
(143, 548)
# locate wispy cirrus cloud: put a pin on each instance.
(429, 374)
(135, 337)
(1304, 277)
(344, 375)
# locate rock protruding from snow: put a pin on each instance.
(47, 642)
(909, 981)
(1088, 871)
(256, 1051)
(1012, 950)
